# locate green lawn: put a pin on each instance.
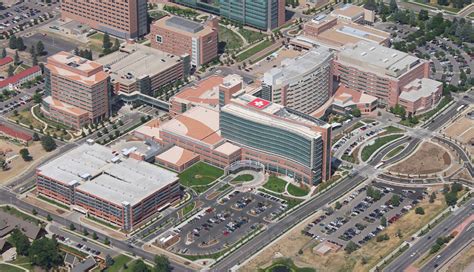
(188, 208)
(394, 151)
(120, 260)
(392, 129)
(275, 184)
(243, 178)
(253, 50)
(251, 36)
(297, 191)
(20, 214)
(200, 174)
(22, 261)
(72, 250)
(9, 268)
(60, 205)
(368, 150)
(227, 36)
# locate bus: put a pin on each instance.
(336, 125)
(460, 108)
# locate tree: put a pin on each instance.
(116, 45)
(48, 143)
(25, 154)
(94, 236)
(383, 221)
(49, 218)
(109, 261)
(356, 112)
(451, 198)
(162, 264)
(423, 15)
(20, 45)
(351, 247)
(4, 53)
(85, 232)
(393, 6)
(34, 212)
(432, 197)
(44, 253)
(396, 200)
(143, 119)
(420, 210)
(12, 42)
(11, 70)
(140, 266)
(37, 98)
(72, 227)
(120, 122)
(106, 241)
(106, 43)
(338, 205)
(40, 48)
(19, 240)
(17, 58)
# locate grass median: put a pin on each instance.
(253, 50)
(368, 150)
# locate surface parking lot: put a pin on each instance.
(359, 218)
(231, 219)
(20, 16)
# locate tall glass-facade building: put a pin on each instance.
(285, 141)
(261, 14)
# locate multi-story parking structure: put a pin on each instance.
(286, 141)
(303, 83)
(110, 186)
(122, 18)
(77, 90)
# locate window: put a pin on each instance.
(159, 39)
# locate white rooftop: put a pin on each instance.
(112, 177)
(292, 68)
(419, 88)
(378, 58)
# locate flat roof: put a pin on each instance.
(378, 59)
(183, 26)
(177, 156)
(74, 62)
(345, 33)
(150, 129)
(291, 68)
(272, 114)
(418, 88)
(205, 91)
(349, 10)
(134, 61)
(99, 173)
(345, 97)
(227, 148)
(198, 123)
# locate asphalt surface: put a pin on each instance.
(460, 241)
(424, 243)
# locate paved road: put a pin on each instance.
(10, 198)
(425, 242)
(277, 229)
(461, 241)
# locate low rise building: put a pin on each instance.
(345, 100)
(303, 83)
(15, 134)
(110, 186)
(77, 90)
(179, 36)
(335, 33)
(21, 78)
(420, 95)
(5, 63)
(139, 68)
(353, 14)
(177, 159)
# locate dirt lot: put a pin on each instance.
(18, 165)
(370, 253)
(463, 262)
(429, 158)
(463, 131)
